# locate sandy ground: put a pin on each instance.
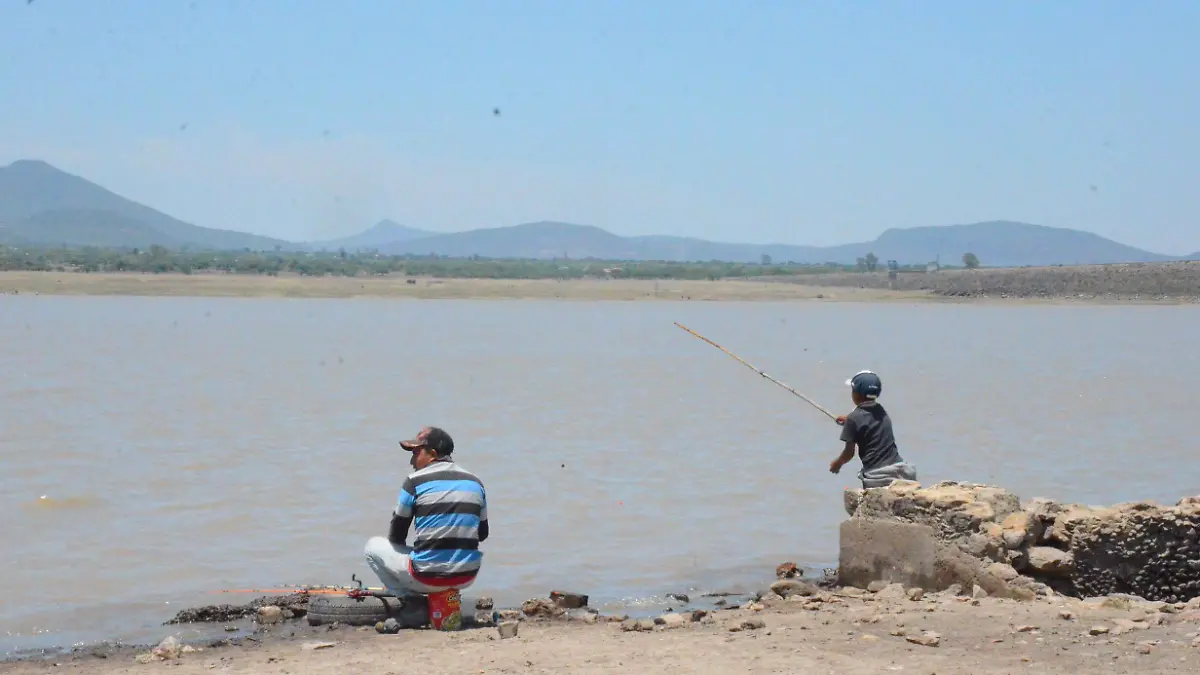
(228, 285)
(837, 633)
(1151, 283)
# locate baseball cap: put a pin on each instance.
(433, 438)
(866, 383)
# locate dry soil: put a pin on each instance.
(837, 633)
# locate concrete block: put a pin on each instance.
(887, 550)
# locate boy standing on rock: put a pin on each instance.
(869, 428)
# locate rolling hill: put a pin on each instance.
(41, 205)
(381, 234)
(45, 205)
(1000, 244)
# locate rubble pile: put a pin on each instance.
(1138, 548)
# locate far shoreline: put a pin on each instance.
(397, 287)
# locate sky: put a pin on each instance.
(770, 121)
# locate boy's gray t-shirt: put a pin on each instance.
(870, 428)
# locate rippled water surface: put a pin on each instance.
(154, 450)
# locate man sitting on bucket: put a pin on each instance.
(447, 507)
(869, 428)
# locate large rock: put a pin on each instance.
(1020, 529)
(1139, 548)
(1142, 549)
(1050, 562)
(889, 551)
(953, 509)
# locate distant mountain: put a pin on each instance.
(384, 232)
(83, 227)
(1000, 244)
(42, 205)
(45, 205)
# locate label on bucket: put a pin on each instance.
(445, 610)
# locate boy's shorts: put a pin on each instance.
(883, 476)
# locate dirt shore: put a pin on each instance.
(251, 286)
(1149, 283)
(1174, 282)
(839, 631)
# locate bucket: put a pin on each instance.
(445, 610)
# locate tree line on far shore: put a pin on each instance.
(160, 260)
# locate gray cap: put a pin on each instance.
(866, 383)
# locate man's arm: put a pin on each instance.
(402, 515)
(483, 521)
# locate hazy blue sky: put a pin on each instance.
(789, 121)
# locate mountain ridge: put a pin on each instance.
(41, 205)
(382, 233)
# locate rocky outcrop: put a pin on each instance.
(1137, 548)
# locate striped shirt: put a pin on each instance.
(448, 508)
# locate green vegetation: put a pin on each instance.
(160, 260)
(970, 261)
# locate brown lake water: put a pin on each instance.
(185, 446)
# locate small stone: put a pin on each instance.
(953, 589)
(484, 603)
(1003, 571)
(568, 600)
(897, 632)
(147, 657)
(916, 594)
(679, 597)
(876, 586)
(587, 618)
(1144, 647)
(1113, 602)
(1026, 629)
(672, 620)
(753, 624)
(508, 629)
(485, 617)
(756, 607)
(269, 614)
(787, 570)
(541, 608)
(926, 639)
(1129, 624)
(509, 615)
(787, 588)
(978, 592)
(314, 646)
(892, 592)
(1098, 630)
(699, 614)
(1066, 615)
(231, 629)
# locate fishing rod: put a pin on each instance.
(743, 362)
